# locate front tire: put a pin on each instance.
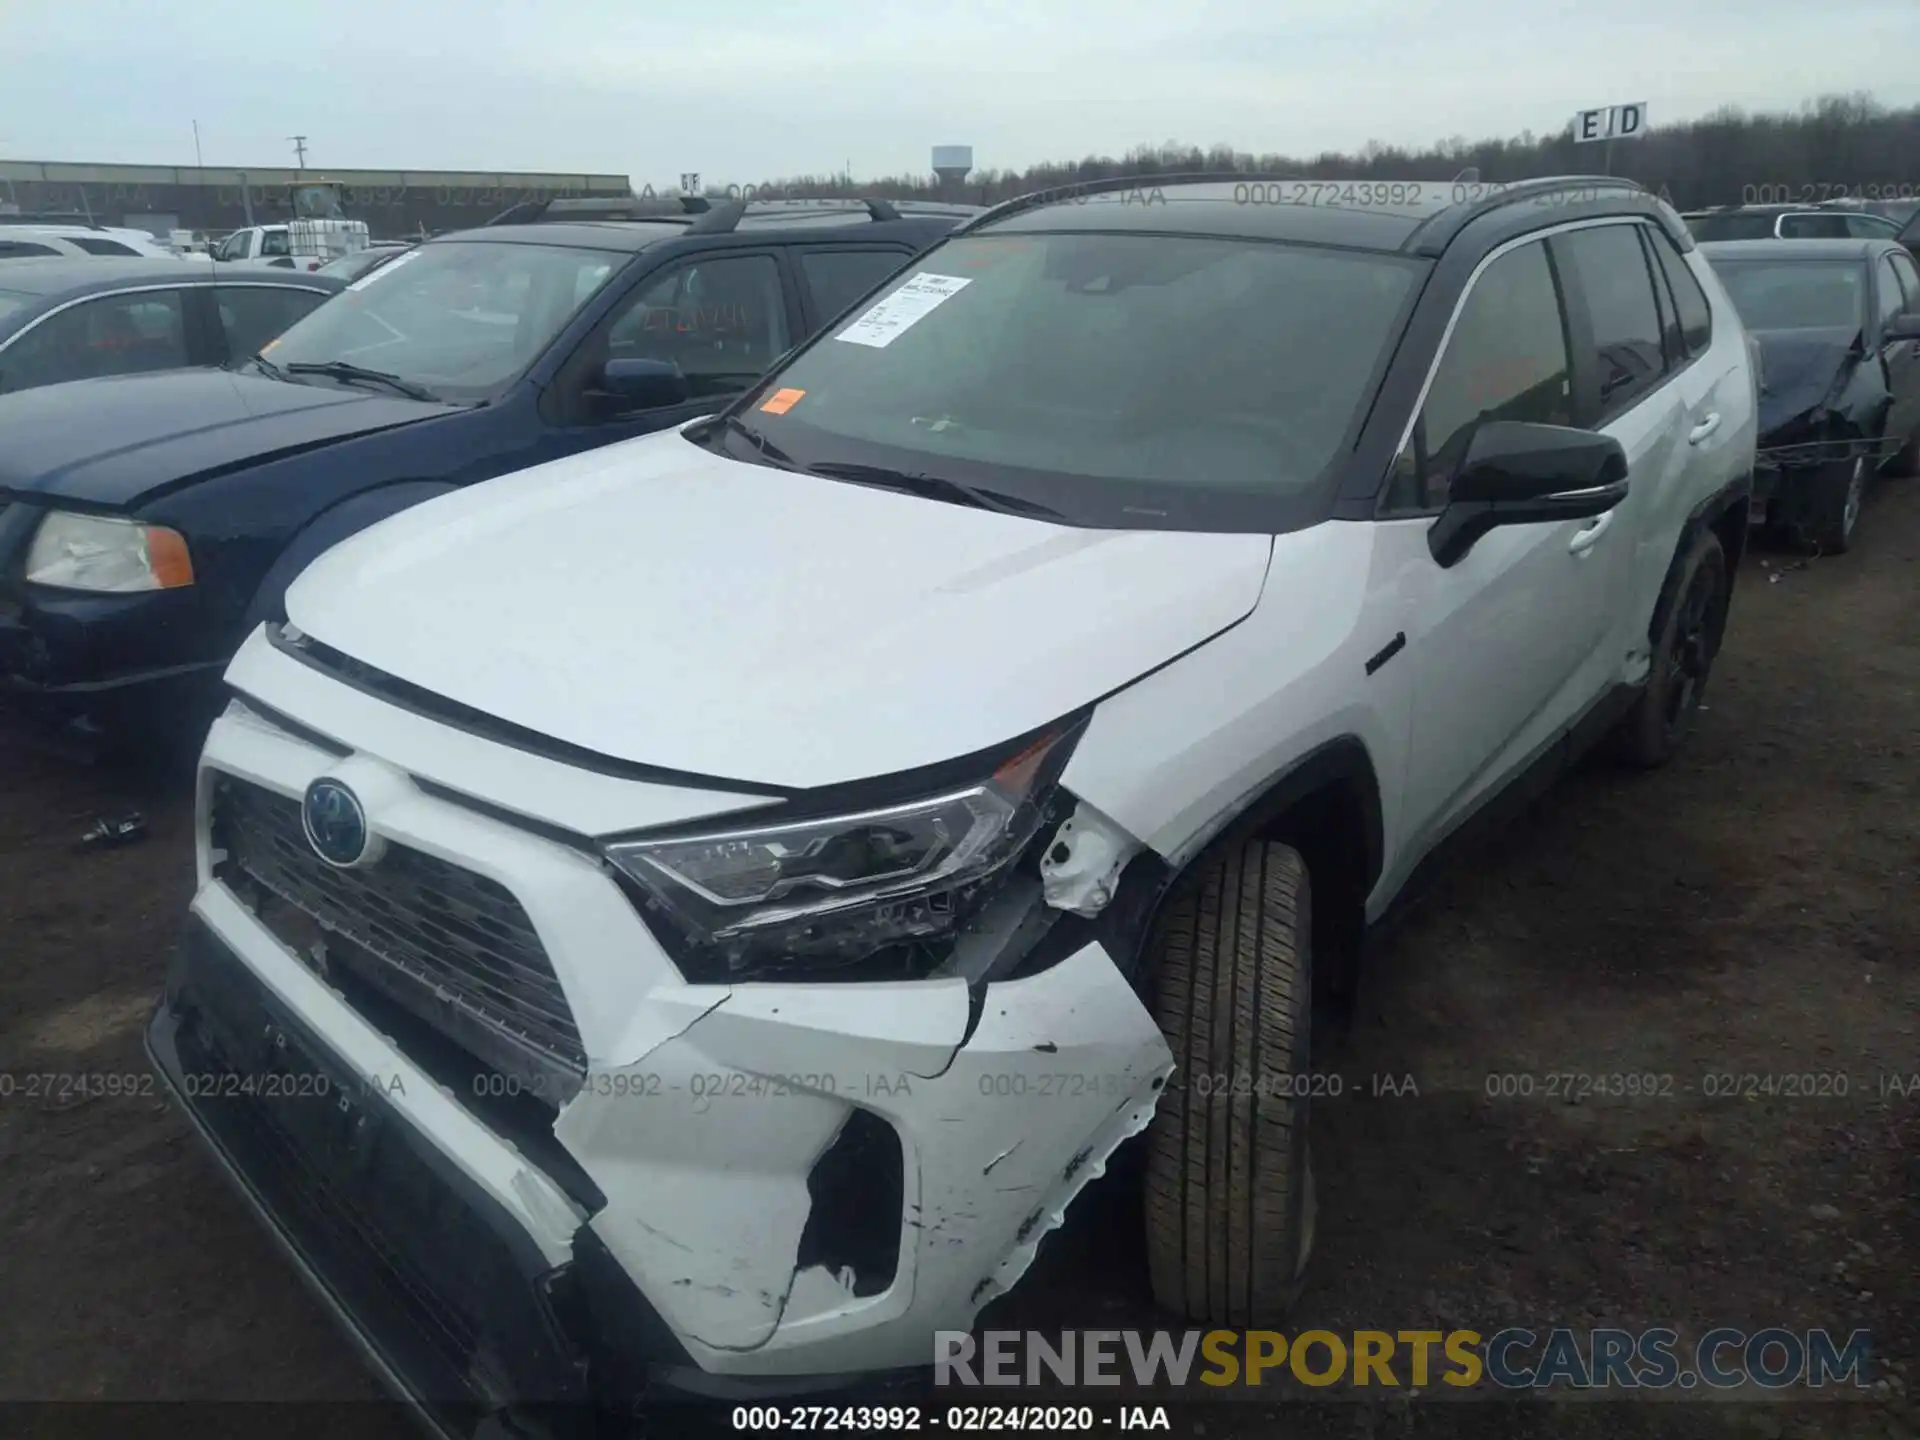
(1651, 732)
(1906, 461)
(1229, 1197)
(1838, 500)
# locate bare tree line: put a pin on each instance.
(1835, 146)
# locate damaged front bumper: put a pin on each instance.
(1814, 454)
(1787, 477)
(755, 1189)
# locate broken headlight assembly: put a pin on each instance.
(828, 896)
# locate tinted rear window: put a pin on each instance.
(1625, 321)
(1696, 317)
(1814, 227)
(1789, 295)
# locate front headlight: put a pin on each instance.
(824, 894)
(107, 554)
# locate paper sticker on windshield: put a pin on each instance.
(387, 269)
(782, 401)
(907, 306)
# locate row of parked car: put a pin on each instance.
(921, 697)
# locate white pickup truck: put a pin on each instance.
(295, 245)
(318, 232)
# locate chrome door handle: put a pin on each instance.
(1585, 539)
(1705, 428)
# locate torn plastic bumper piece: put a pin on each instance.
(1001, 1118)
(1080, 871)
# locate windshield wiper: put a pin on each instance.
(774, 454)
(934, 487)
(273, 371)
(345, 370)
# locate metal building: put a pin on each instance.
(394, 203)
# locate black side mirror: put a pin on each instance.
(1518, 473)
(632, 383)
(1904, 326)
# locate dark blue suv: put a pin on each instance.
(149, 522)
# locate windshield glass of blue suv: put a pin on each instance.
(1796, 295)
(459, 318)
(1141, 358)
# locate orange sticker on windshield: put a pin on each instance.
(782, 401)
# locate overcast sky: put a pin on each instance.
(744, 93)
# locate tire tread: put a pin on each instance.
(1225, 1180)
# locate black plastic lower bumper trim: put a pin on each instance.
(435, 1283)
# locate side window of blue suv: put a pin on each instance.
(722, 320)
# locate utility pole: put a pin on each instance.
(299, 149)
(199, 164)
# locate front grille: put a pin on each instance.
(451, 946)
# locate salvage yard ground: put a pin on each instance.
(1753, 910)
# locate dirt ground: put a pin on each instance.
(1751, 910)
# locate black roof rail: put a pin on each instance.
(1099, 187)
(708, 218)
(1433, 234)
(726, 218)
(877, 209)
(590, 207)
(1446, 222)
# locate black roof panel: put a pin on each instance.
(1848, 248)
(1810, 207)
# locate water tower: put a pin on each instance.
(952, 163)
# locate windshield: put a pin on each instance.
(10, 303)
(1796, 295)
(1106, 376)
(459, 318)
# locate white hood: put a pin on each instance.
(659, 604)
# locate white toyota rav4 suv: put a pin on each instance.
(696, 913)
